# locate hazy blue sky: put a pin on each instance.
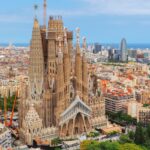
(104, 21)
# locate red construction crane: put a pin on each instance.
(104, 85)
(5, 110)
(8, 124)
(12, 113)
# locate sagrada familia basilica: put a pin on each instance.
(59, 101)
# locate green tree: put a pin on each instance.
(124, 139)
(131, 135)
(57, 148)
(10, 102)
(147, 134)
(148, 131)
(147, 144)
(56, 141)
(93, 134)
(109, 146)
(139, 135)
(89, 145)
(130, 146)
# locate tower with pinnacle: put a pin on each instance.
(58, 79)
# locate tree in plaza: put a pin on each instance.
(139, 135)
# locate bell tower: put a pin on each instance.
(36, 68)
(78, 65)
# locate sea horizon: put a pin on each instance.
(111, 45)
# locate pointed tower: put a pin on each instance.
(84, 74)
(78, 65)
(67, 66)
(55, 29)
(48, 110)
(36, 68)
(60, 106)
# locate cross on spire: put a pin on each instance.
(35, 10)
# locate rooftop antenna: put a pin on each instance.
(35, 10)
(44, 13)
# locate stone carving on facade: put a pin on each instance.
(58, 84)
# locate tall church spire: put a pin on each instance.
(36, 24)
(65, 41)
(78, 40)
(84, 44)
(84, 73)
(60, 54)
(60, 82)
(67, 70)
(84, 47)
(36, 68)
(78, 65)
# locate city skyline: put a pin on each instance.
(106, 21)
(68, 84)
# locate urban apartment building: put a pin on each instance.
(143, 96)
(144, 115)
(5, 137)
(132, 108)
(115, 102)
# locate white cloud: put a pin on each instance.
(88, 8)
(119, 7)
(113, 7)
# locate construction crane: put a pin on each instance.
(104, 85)
(5, 110)
(12, 113)
(44, 12)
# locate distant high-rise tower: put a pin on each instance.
(123, 48)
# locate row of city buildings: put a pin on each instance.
(125, 88)
(63, 90)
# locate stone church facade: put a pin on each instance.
(59, 82)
